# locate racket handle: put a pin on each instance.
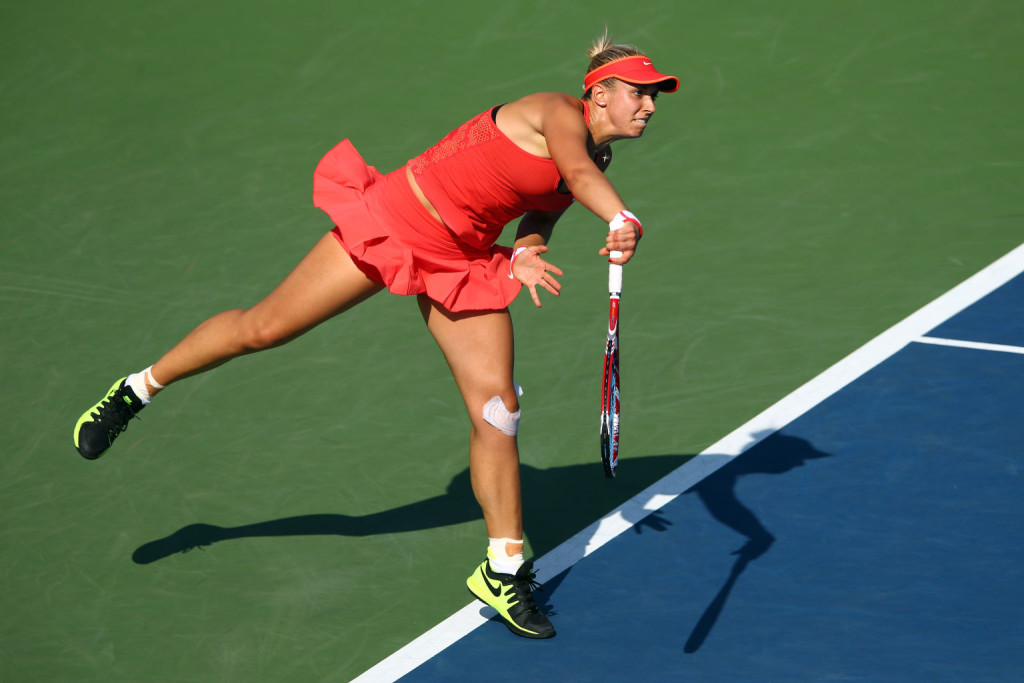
(614, 274)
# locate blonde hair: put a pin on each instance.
(604, 50)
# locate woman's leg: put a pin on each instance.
(325, 283)
(479, 350)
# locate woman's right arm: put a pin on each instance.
(565, 133)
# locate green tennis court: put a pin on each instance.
(823, 172)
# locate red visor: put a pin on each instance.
(632, 70)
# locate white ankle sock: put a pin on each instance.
(505, 554)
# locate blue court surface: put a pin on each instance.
(867, 527)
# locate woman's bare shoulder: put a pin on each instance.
(544, 100)
(536, 109)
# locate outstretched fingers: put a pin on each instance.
(533, 271)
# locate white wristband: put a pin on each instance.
(623, 217)
(512, 260)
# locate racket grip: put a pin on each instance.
(614, 274)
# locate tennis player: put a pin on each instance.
(430, 228)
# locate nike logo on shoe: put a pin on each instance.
(495, 589)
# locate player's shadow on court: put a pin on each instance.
(557, 503)
(777, 454)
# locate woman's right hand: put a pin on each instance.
(533, 271)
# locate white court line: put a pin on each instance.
(939, 341)
(662, 492)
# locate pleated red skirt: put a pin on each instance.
(392, 237)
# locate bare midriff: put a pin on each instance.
(422, 197)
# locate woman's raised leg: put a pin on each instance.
(325, 283)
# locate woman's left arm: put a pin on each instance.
(535, 228)
(531, 241)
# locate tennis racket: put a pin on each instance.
(610, 382)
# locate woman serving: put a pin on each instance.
(430, 229)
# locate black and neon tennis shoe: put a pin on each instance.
(101, 424)
(512, 596)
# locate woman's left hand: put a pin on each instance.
(533, 271)
(625, 240)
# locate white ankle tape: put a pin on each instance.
(148, 374)
(506, 548)
(497, 414)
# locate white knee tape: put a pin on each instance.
(497, 414)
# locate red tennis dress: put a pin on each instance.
(476, 178)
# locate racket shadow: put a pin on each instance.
(777, 454)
